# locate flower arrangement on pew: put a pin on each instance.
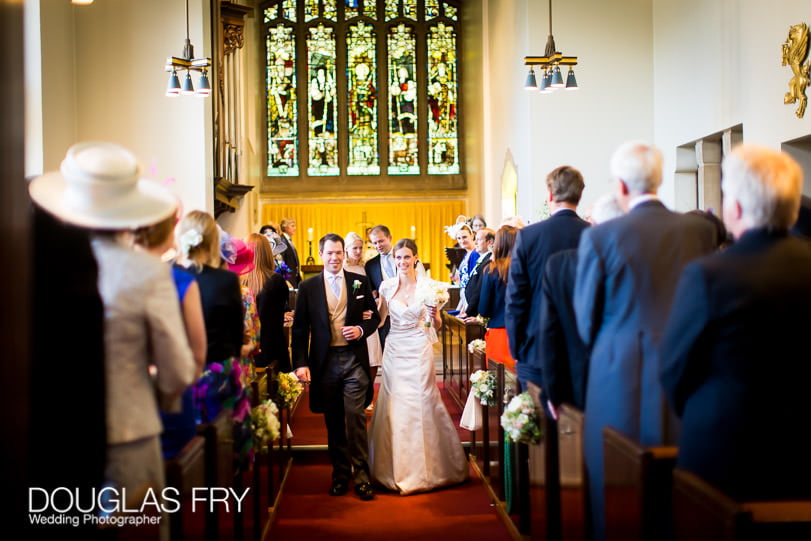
(483, 384)
(288, 390)
(520, 420)
(265, 424)
(432, 293)
(474, 345)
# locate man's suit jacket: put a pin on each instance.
(374, 273)
(735, 363)
(627, 271)
(533, 245)
(564, 359)
(473, 289)
(311, 334)
(290, 257)
(271, 304)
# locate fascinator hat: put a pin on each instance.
(241, 261)
(453, 230)
(98, 186)
(277, 243)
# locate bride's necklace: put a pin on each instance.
(407, 291)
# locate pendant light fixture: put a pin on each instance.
(182, 67)
(549, 72)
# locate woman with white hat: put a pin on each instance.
(98, 188)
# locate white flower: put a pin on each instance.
(356, 285)
(476, 344)
(521, 421)
(483, 386)
(188, 240)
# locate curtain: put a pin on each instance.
(428, 218)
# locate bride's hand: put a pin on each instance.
(367, 314)
(431, 312)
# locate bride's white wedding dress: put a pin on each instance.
(413, 444)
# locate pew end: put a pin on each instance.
(638, 488)
(701, 512)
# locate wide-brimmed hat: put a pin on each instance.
(98, 186)
(242, 262)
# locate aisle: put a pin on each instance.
(307, 512)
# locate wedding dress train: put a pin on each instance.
(414, 445)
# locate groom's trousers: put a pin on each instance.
(345, 383)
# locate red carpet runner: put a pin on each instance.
(307, 512)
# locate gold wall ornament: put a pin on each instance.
(795, 51)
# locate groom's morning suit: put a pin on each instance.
(339, 370)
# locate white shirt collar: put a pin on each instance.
(639, 199)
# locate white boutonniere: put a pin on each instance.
(355, 286)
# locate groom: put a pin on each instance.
(329, 350)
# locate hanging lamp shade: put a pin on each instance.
(532, 83)
(173, 89)
(188, 87)
(557, 78)
(571, 82)
(205, 85)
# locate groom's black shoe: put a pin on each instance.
(364, 491)
(338, 488)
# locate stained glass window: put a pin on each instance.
(330, 10)
(450, 11)
(282, 111)
(402, 78)
(310, 10)
(410, 9)
(361, 112)
(391, 9)
(443, 138)
(370, 8)
(431, 9)
(289, 10)
(322, 99)
(361, 67)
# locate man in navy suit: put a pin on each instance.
(735, 361)
(627, 271)
(329, 350)
(563, 358)
(533, 246)
(381, 267)
(485, 237)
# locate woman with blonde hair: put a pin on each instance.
(198, 246)
(354, 263)
(271, 293)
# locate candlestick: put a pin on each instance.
(310, 259)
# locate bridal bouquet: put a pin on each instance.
(474, 345)
(432, 293)
(288, 389)
(265, 425)
(520, 420)
(483, 384)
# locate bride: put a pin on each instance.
(414, 446)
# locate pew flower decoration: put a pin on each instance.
(289, 388)
(520, 420)
(484, 386)
(474, 345)
(432, 293)
(265, 425)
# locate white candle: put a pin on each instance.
(310, 234)
(413, 232)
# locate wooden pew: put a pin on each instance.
(638, 487)
(185, 471)
(456, 362)
(219, 465)
(701, 512)
(574, 501)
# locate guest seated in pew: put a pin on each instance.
(485, 237)
(563, 358)
(494, 289)
(97, 188)
(734, 358)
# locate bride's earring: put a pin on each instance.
(416, 262)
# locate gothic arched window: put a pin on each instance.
(361, 88)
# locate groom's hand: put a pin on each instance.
(303, 374)
(352, 333)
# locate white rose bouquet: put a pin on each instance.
(265, 425)
(432, 293)
(483, 384)
(474, 345)
(520, 420)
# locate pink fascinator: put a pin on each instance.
(242, 260)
